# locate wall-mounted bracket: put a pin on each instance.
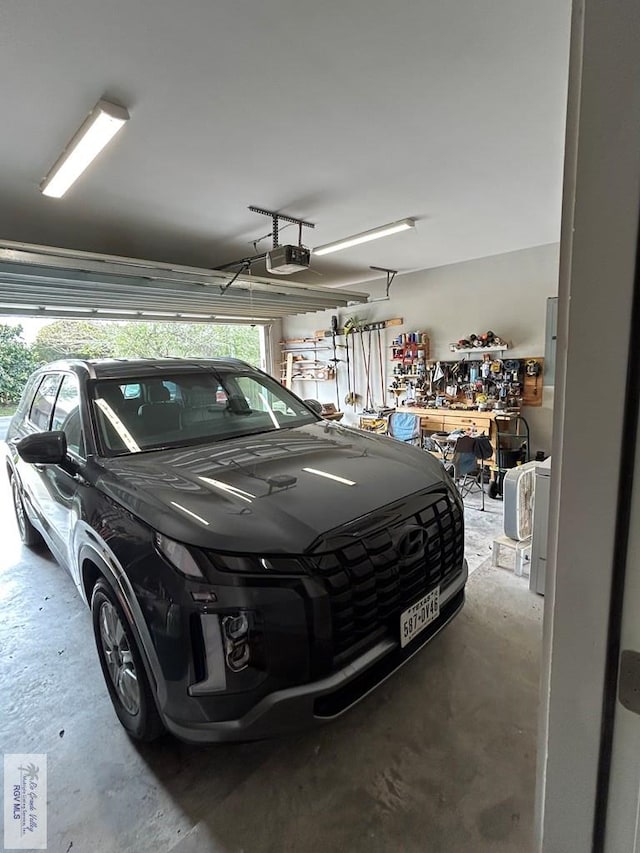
(391, 274)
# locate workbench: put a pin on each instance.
(448, 420)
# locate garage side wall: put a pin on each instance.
(505, 293)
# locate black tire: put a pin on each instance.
(28, 534)
(122, 665)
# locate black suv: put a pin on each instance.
(251, 568)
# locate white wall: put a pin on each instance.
(505, 293)
(598, 267)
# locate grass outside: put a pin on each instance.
(8, 409)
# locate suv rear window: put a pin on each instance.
(66, 415)
(27, 397)
(40, 414)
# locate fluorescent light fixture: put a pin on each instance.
(100, 126)
(198, 316)
(66, 308)
(20, 305)
(224, 318)
(116, 311)
(329, 476)
(365, 237)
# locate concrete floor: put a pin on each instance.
(481, 527)
(441, 758)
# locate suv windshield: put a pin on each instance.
(175, 410)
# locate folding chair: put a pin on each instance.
(405, 426)
(467, 473)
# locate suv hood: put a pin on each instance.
(273, 493)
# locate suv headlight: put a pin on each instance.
(179, 556)
(250, 563)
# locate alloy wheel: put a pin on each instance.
(119, 658)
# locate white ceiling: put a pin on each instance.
(348, 113)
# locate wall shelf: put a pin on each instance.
(300, 362)
(302, 349)
(408, 356)
(477, 350)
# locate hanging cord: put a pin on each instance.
(251, 306)
(364, 361)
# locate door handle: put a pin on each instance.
(629, 681)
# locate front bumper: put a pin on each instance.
(305, 705)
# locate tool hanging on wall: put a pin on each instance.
(533, 368)
(382, 382)
(369, 369)
(348, 362)
(352, 327)
(367, 403)
(335, 360)
(351, 397)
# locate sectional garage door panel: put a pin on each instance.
(44, 281)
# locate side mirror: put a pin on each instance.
(43, 448)
(315, 405)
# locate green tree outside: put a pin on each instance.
(112, 339)
(184, 340)
(17, 362)
(73, 339)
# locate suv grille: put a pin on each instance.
(376, 567)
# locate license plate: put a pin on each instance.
(419, 615)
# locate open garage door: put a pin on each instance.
(48, 282)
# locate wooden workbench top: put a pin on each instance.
(447, 413)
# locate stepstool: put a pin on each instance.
(520, 551)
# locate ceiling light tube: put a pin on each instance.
(19, 305)
(365, 236)
(224, 317)
(99, 128)
(65, 308)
